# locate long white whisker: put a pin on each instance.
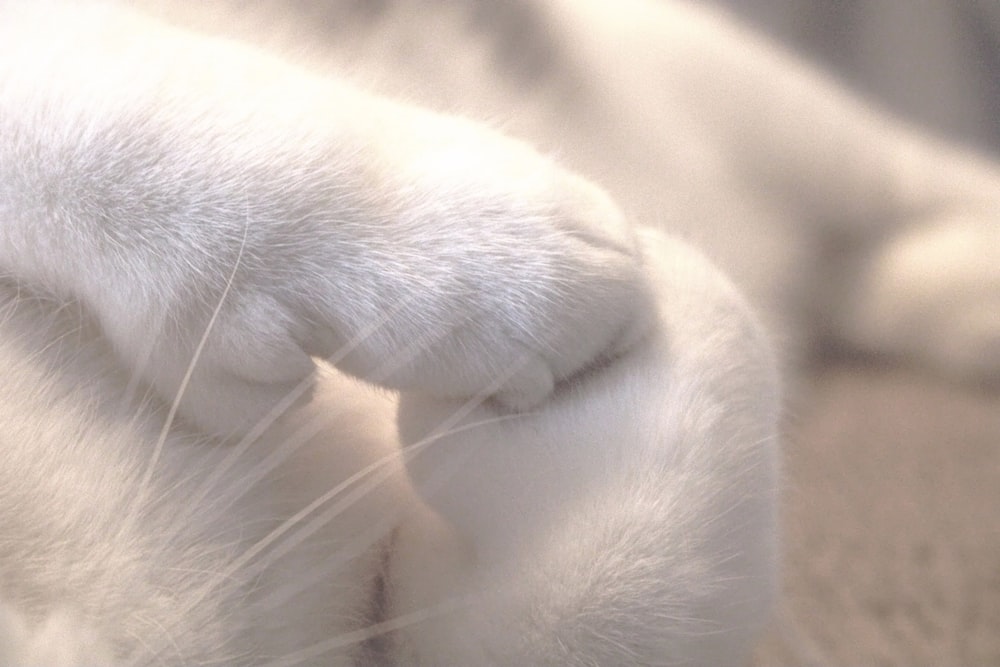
(165, 633)
(189, 372)
(345, 553)
(446, 427)
(210, 484)
(241, 486)
(280, 408)
(240, 565)
(331, 513)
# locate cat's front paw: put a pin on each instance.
(470, 268)
(932, 294)
(519, 279)
(415, 251)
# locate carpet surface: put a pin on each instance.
(892, 524)
(892, 507)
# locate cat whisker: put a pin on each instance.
(163, 631)
(239, 450)
(378, 471)
(243, 484)
(280, 408)
(210, 485)
(189, 371)
(446, 428)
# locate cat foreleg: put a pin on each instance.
(227, 228)
(628, 521)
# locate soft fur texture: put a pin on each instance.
(585, 468)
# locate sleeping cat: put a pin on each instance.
(298, 373)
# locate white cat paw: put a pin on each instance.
(933, 295)
(539, 278)
(480, 270)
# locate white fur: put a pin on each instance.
(586, 465)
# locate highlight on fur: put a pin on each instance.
(300, 374)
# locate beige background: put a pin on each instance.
(892, 510)
(891, 515)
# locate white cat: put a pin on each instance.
(585, 470)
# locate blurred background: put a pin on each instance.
(892, 513)
(934, 61)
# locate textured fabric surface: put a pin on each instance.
(892, 510)
(892, 516)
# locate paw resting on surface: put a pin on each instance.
(932, 294)
(513, 291)
(290, 217)
(501, 293)
(470, 266)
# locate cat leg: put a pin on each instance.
(227, 228)
(914, 271)
(628, 521)
(929, 293)
(914, 222)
